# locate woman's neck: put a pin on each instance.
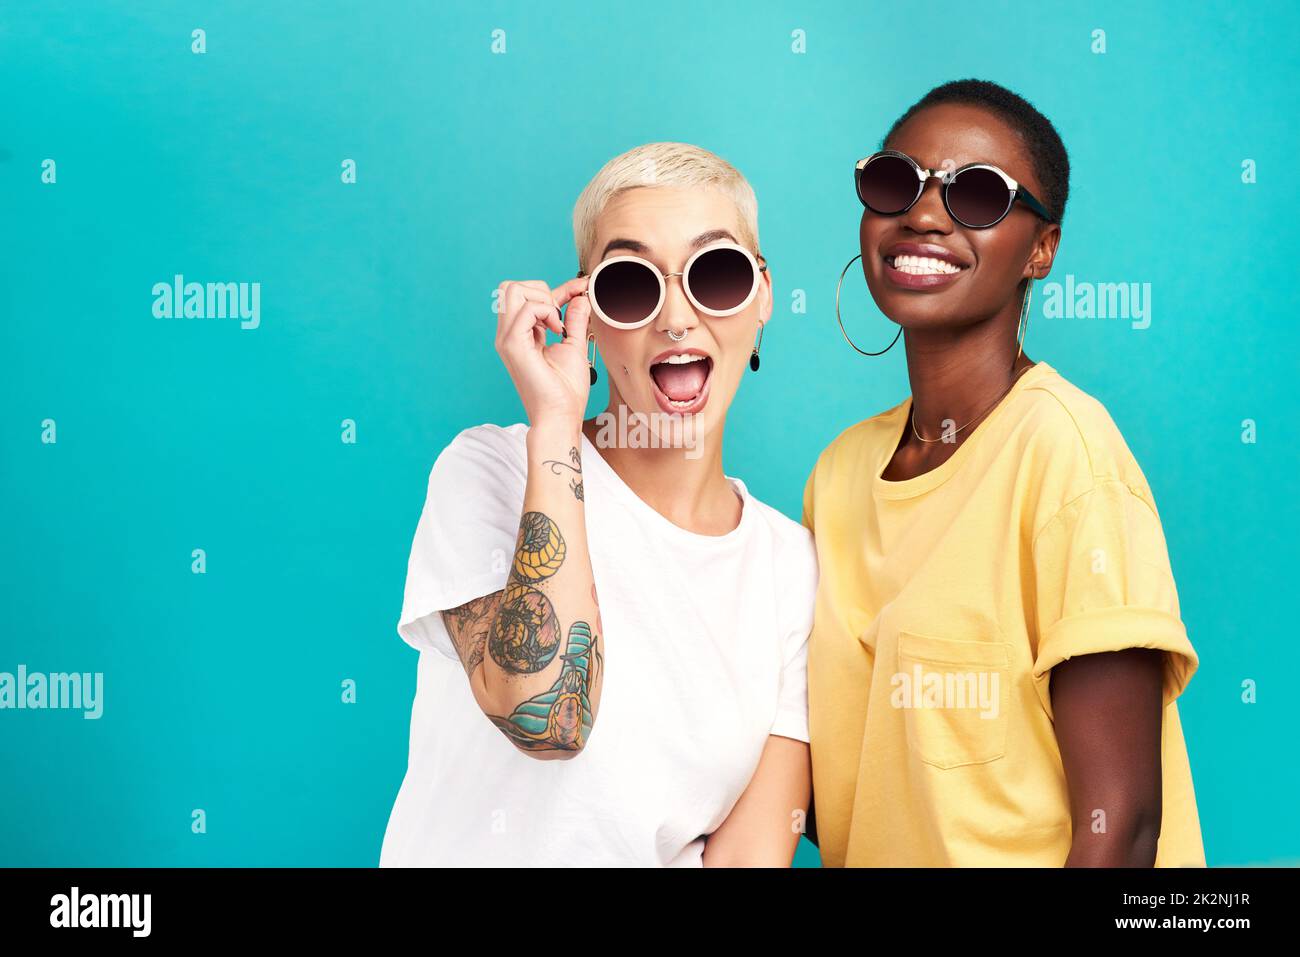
(958, 377)
(683, 483)
(956, 374)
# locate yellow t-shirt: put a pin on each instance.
(945, 600)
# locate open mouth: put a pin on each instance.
(681, 381)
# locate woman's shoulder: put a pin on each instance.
(788, 537)
(784, 528)
(1065, 421)
(490, 436)
(1072, 443)
(793, 549)
(486, 446)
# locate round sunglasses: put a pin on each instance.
(977, 195)
(720, 280)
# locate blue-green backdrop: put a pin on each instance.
(223, 690)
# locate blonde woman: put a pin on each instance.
(600, 591)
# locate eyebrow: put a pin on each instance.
(635, 246)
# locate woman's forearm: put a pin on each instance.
(1131, 844)
(763, 828)
(541, 674)
(1108, 718)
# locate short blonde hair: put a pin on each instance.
(678, 165)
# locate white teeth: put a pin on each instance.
(683, 359)
(924, 266)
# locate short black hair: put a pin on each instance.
(1051, 162)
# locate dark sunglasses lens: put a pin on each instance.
(978, 197)
(625, 291)
(721, 279)
(888, 184)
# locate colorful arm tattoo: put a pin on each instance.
(525, 634)
(519, 629)
(560, 718)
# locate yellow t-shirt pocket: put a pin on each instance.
(953, 695)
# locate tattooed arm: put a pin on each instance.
(533, 651)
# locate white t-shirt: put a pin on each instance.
(705, 648)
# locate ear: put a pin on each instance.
(1043, 254)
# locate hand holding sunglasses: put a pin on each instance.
(552, 379)
(627, 292)
(977, 195)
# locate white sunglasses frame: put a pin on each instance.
(758, 268)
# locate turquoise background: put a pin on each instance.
(223, 690)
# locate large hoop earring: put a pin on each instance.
(838, 285)
(1023, 325)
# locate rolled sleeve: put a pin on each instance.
(1104, 583)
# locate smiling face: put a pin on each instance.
(926, 271)
(649, 372)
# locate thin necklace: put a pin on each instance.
(911, 416)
